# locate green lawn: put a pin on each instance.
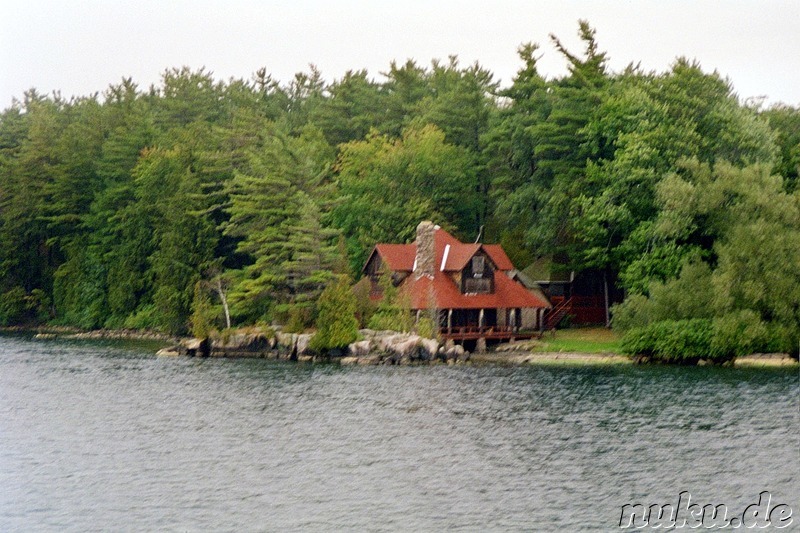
(584, 340)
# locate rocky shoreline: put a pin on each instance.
(373, 348)
(392, 348)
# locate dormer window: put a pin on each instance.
(477, 276)
(478, 265)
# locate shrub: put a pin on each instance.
(780, 339)
(202, 319)
(688, 296)
(299, 317)
(336, 321)
(738, 333)
(394, 309)
(686, 341)
(365, 307)
(426, 327)
(13, 306)
(634, 312)
(39, 303)
(19, 307)
(145, 317)
(718, 341)
(639, 342)
(671, 341)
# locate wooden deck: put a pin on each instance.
(499, 333)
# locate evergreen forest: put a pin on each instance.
(200, 204)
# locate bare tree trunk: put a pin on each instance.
(224, 301)
(605, 291)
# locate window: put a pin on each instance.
(478, 286)
(478, 265)
(477, 276)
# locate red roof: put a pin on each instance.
(458, 256)
(399, 257)
(442, 291)
(499, 256)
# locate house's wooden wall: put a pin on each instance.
(373, 266)
(529, 318)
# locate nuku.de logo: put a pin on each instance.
(686, 514)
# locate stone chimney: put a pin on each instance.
(425, 262)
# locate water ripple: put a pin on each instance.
(106, 436)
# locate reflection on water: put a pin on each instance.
(106, 437)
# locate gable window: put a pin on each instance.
(478, 265)
(477, 276)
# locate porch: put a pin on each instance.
(499, 325)
(494, 333)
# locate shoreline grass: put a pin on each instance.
(580, 340)
(593, 346)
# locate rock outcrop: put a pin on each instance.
(374, 348)
(293, 345)
(393, 348)
(243, 344)
(195, 347)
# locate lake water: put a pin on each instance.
(108, 437)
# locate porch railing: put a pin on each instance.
(488, 332)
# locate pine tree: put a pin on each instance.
(313, 255)
(275, 218)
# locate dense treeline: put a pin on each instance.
(198, 203)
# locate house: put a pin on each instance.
(584, 297)
(474, 288)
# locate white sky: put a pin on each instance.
(82, 46)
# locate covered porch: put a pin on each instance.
(490, 324)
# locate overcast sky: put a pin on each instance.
(81, 47)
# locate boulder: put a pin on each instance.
(286, 341)
(391, 359)
(407, 348)
(349, 360)
(428, 348)
(303, 340)
(385, 343)
(195, 347)
(451, 351)
(359, 348)
(392, 347)
(455, 352)
(480, 345)
(192, 344)
(368, 334)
